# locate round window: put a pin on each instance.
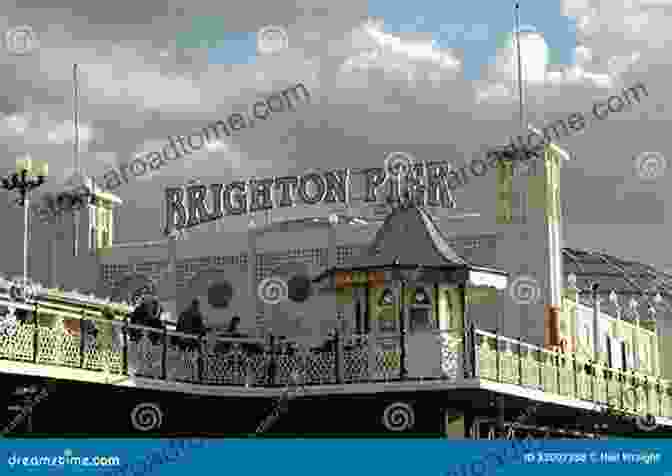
(299, 288)
(220, 294)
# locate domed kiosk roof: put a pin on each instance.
(408, 237)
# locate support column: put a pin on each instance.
(596, 322)
(374, 327)
(172, 269)
(636, 337)
(253, 304)
(654, 345)
(464, 348)
(573, 295)
(52, 260)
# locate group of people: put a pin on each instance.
(148, 314)
(192, 321)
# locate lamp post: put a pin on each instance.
(596, 321)
(574, 295)
(27, 177)
(659, 301)
(633, 305)
(616, 311)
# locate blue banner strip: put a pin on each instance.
(144, 457)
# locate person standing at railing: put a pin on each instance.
(88, 333)
(115, 331)
(191, 321)
(147, 314)
(153, 318)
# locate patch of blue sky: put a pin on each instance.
(478, 28)
(236, 48)
(224, 47)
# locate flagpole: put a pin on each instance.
(75, 242)
(520, 69)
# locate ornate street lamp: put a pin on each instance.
(27, 177)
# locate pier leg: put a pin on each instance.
(454, 422)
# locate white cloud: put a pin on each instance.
(16, 123)
(394, 54)
(494, 92)
(65, 133)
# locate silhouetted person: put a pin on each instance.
(233, 329)
(89, 333)
(191, 322)
(116, 336)
(147, 314)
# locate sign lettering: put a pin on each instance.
(191, 205)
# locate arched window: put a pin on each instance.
(387, 298)
(420, 310)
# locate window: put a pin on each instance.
(420, 314)
(624, 355)
(609, 353)
(387, 298)
(420, 298)
(358, 316)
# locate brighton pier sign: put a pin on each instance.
(423, 182)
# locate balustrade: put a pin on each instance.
(123, 349)
(570, 376)
(128, 349)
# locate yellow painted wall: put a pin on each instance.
(451, 314)
(615, 329)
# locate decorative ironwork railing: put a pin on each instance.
(506, 360)
(119, 348)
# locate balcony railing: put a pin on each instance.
(121, 348)
(124, 349)
(505, 360)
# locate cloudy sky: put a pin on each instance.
(432, 78)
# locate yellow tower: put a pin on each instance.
(529, 218)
